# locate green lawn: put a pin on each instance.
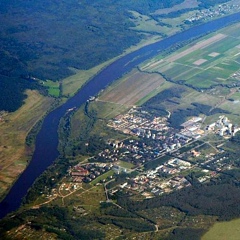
(102, 177)
(125, 164)
(52, 87)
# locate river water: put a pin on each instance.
(47, 139)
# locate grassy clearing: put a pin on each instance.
(14, 129)
(92, 198)
(158, 25)
(224, 230)
(53, 88)
(147, 24)
(125, 164)
(184, 5)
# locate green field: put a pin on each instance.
(210, 61)
(224, 231)
(52, 88)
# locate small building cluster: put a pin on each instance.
(139, 123)
(213, 12)
(164, 179)
(223, 127)
(88, 172)
(192, 128)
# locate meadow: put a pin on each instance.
(53, 88)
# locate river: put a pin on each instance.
(47, 139)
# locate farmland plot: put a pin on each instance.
(213, 60)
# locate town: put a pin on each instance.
(162, 159)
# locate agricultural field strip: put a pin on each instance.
(190, 66)
(135, 95)
(213, 64)
(209, 66)
(200, 45)
(197, 46)
(188, 71)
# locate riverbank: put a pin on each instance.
(14, 128)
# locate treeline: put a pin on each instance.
(111, 214)
(147, 6)
(112, 210)
(87, 143)
(186, 234)
(165, 95)
(90, 146)
(155, 163)
(176, 13)
(12, 92)
(155, 105)
(120, 179)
